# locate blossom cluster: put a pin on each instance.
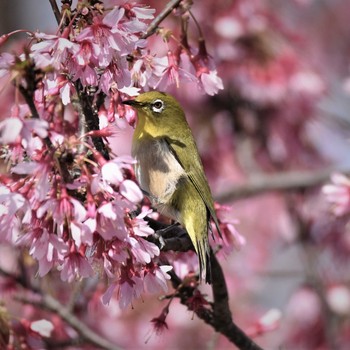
(65, 196)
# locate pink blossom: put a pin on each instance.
(229, 27)
(156, 277)
(267, 323)
(142, 250)
(231, 237)
(197, 302)
(75, 266)
(10, 202)
(128, 290)
(87, 75)
(118, 251)
(6, 61)
(85, 53)
(137, 74)
(110, 220)
(58, 85)
(45, 247)
(338, 299)
(307, 82)
(73, 209)
(108, 266)
(159, 323)
(129, 287)
(11, 205)
(211, 82)
(172, 74)
(304, 307)
(63, 208)
(59, 50)
(111, 174)
(42, 327)
(142, 13)
(27, 132)
(130, 90)
(130, 115)
(82, 233)
(104, 42)
(10, 130)
(338, 194)
(131, 191)
(147, 70)
(140, 227)
(184, 263)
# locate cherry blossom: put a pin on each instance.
(338, 193)
(42, 327)
(75, 266)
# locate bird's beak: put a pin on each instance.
(132, 103)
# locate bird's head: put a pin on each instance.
(159, 109)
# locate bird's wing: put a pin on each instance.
(194, 169)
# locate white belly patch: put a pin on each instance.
(157, 170)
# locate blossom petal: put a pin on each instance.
(131, 191)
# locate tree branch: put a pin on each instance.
(49, 303)
(28, 97)
(222, 318)
(219, 317)
(171, 5)
(55, 10)
(294, 180)
(91, 118)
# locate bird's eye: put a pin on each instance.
(157, 106)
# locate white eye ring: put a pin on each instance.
(157, 106)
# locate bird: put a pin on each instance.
(170, 172)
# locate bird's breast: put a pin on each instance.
(158, 171)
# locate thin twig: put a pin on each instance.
(55, 10)
(171, 5)
(294, 180)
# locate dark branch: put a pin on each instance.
(219, 317)
(91, 118)
(294, 180)
(55, 10)
(171, 237)
(222, 318)
(28, 97)
(171, 5)
(30, 75)
(30, 102)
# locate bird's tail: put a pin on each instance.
(203, 251)
(199, 237)
(194, 217)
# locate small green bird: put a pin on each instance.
(169, 169)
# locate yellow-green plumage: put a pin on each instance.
(169, 168)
